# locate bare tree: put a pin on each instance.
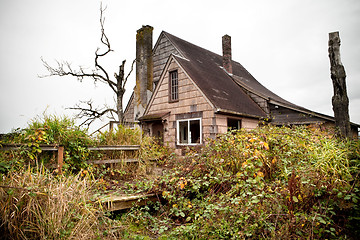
(85, 109)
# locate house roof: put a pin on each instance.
(240, 75)
(227, 91)
(205, 69)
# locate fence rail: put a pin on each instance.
(115, 148)
(44, 147)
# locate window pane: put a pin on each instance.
(183, 132)
(195, 131)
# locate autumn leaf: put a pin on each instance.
(266, 145)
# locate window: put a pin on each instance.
(174, 86)
(233, 124)
(189, 132)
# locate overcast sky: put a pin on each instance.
(283, 44)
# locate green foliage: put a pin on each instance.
(47, 130)
(37, 204)
(276, 183)
(151, 149)
(113, 175)
(122, 135)
(272, 183)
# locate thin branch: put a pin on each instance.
(104, 40)
(91, 113)
(132, 68)
(65, 69)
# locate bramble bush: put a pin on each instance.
(36, 203)
(45, 130)
(271, 182)
(50, 129)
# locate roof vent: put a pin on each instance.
(226, 47)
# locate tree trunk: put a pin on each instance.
(340, 100)
(120, 82)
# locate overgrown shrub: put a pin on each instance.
(116, 175)
(272, 183)
(121, 135)
(51, 129)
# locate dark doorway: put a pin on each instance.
(158, 131)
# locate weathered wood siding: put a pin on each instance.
(190, 101)
(286, 116)
(161, 53)
(249, 123)
(129, 111)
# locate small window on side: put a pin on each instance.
(174, 86)
(233, 124)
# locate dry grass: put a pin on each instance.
(36, 205)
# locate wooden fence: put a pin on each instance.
(60, 152)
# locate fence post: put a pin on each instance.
(60, 158)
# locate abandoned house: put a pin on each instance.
(185, 94)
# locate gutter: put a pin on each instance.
(219, 111)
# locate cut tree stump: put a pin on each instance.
(115, 202)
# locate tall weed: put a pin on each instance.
(37, 205)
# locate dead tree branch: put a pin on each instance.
(98, 74)
(90, 113)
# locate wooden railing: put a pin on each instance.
(43, 147)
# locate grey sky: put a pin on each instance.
(283, 44)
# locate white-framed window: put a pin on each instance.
(189, 131)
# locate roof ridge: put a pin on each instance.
(173, 36)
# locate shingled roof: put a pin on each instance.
(205, 69)
(226, 91)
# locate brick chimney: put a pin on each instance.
(144, 70)
(226, 47)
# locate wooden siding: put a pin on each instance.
(221, 122)
(190, 101)
(129, 111)
(285, 116)
(161, 54)
(249, 123)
